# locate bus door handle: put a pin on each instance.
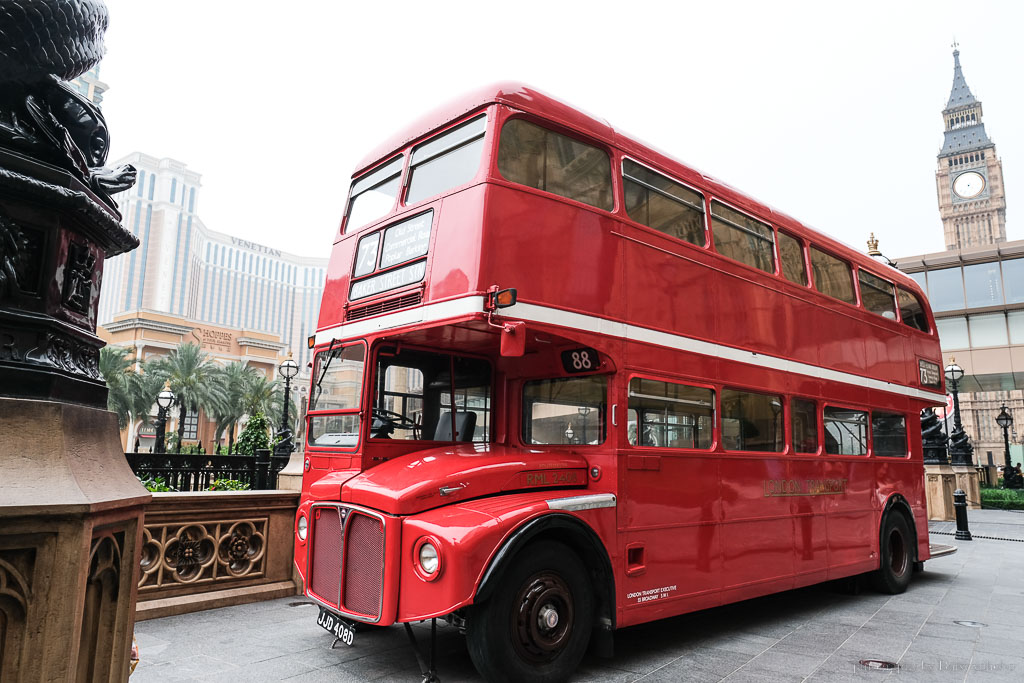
(614, 423)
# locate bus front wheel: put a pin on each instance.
(897, 556)
(537, 624)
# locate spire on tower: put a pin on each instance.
(960, 94)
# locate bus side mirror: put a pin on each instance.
(513, 339)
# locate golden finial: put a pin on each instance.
(873, 246)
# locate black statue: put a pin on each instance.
(933, 439)
(58, 223)
(43, 43)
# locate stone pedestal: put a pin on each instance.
(290, 478)
(70, 531)
(940, 482)
(967, 480)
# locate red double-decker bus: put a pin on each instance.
(564, 384)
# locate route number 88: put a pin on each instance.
(580, 360)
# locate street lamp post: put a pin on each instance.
(960, 449)
(163, 401)
(1011, 480)
(584, 411)
(285, 442)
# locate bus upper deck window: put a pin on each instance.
(374, 194)
(877, 295)
(791, 257)
(663, 204)
(543, 159)
(912, 310)
(742, 238)
(832, 276)
(449, 160)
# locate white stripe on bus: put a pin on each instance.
(455, 308)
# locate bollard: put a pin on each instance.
(960, 505)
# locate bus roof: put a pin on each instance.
(523, 97)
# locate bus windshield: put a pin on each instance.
(413, 397)
(334, 403)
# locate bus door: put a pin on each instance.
(669, 505)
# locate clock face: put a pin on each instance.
(969, 185)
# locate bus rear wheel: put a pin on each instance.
(896, 547)
(537, 626)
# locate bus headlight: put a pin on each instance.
(428, 558)
(300, 528)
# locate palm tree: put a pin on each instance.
(115, 368)
(194, 379)
(142, 390)
(264, 396)
(235, 377)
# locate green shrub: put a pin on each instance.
(229, 485)
(255, 436)
(1002, 499)
(155, 484)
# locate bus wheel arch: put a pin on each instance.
(571, 532)
(897, 547)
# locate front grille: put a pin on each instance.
(364, 562)
(385, 306)
(325, 574)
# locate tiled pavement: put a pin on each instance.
(811, 634)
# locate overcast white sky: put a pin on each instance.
(828, 111)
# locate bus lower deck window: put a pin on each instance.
(667, 415)
(846, 431)
(889, 434)
(565, 411)
(751, 422)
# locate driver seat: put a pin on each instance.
(465, 425)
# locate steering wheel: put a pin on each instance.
(390, 421)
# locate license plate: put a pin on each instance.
(341, 629)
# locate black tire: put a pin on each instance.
(896, 547)
(509, 637)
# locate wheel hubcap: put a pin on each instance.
(542, 617)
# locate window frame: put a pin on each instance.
(705, 225)
(892, 293)
(825, 405)
(400, 156)
(310, 414)
(783, 418)
(906, 434)
(669, 450)
(370, 392)
(410, 167)
(712, 200)
(812, 247)
(924, 311)
(605, 420)
(806, 284)
(574, 135)
(818, 426)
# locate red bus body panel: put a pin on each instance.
(690, 528)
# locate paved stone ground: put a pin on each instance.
(812, 634)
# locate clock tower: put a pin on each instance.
(969, 178)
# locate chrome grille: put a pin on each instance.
(325, 574)
(364, 565)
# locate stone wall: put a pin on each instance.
(216, 548)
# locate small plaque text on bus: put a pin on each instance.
(552, 478)
(583, 359)
(929, 373)
(774, 488)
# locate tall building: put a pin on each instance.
(976, 286)
(969, 179)
(90, 85)
(198, 275)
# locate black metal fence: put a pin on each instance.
(198, 472)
